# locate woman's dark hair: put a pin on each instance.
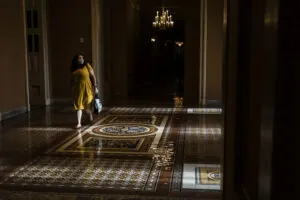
(75, 65)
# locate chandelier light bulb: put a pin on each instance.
(163, 20)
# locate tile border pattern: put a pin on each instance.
(61, 172)
(25, 195)
(176, 180)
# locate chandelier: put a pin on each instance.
(163, 20)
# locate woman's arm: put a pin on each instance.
(92, 73)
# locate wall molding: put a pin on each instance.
(22, 110)
(211, 102)
(12, 113)
(217, 103)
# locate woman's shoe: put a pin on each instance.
(91, 118)
(78, 126)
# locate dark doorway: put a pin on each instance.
(158, 71)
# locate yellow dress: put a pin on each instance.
(82, 88)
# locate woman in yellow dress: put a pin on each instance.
(83, 84)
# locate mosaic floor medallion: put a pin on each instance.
(123, 134)
(127, 144)
(124, 130)
(135, 175)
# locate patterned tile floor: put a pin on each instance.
(127, 153)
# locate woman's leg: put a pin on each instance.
(79, 116)
(90, 113)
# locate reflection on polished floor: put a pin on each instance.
(127, 153)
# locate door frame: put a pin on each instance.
(44, 51)
(231, 10)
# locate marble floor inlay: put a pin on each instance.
(126, 153)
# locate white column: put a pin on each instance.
(26, 58)
(96, 43)
(45, 48)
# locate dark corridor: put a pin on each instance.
(158, 74)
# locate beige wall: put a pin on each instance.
(69, 20)
(133, 21)
(13, 57)
(214, 50)
(121, 22)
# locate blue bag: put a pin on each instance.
(97, 103)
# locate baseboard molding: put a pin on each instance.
(12, 113)
(244, 193)
(48, 102)
(60, 101)
(216, 103)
